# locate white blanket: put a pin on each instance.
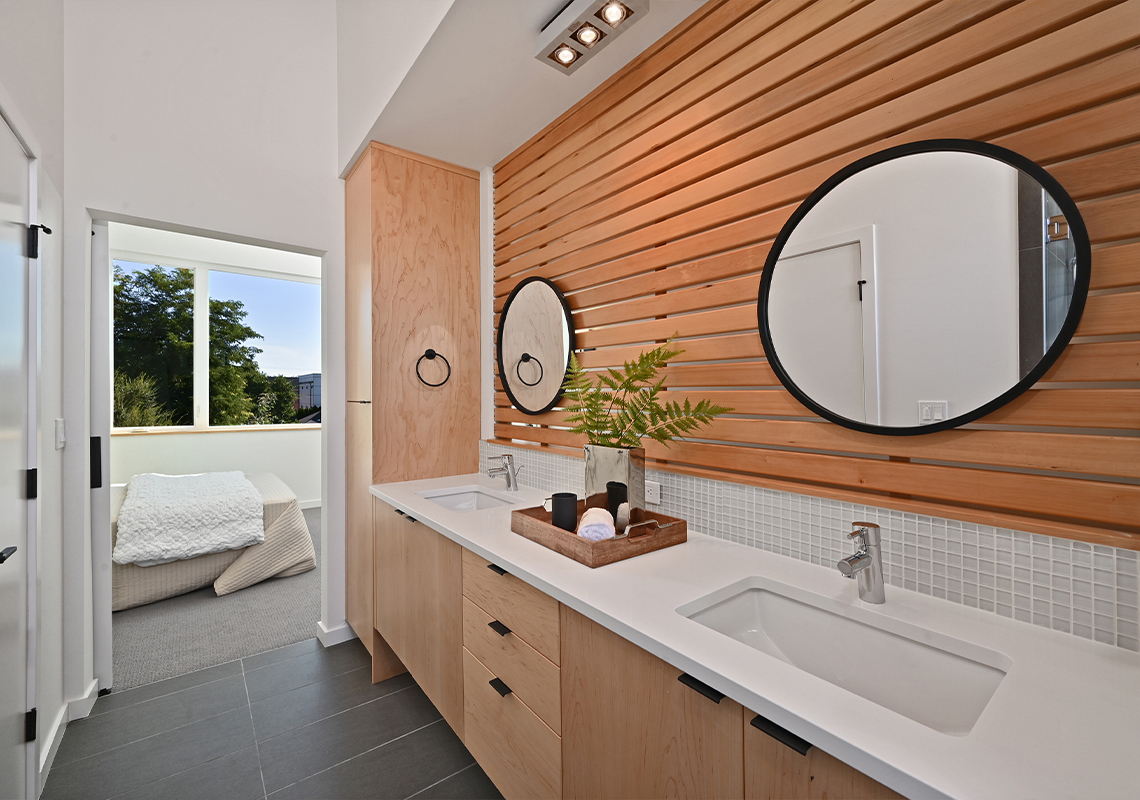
(165, 518)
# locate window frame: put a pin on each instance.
(201, 357)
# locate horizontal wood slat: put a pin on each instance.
(654, 212)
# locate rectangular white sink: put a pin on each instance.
(937, 680)
(467, 498)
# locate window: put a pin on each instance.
(255, 361)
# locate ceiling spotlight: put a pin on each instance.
(588, 35)
(565, 55)
(613, 12)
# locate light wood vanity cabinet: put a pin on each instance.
(512, 681)
(419, 610)
(552, 704)
(630, 728)
(774, 771)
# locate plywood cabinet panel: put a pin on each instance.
(631, 729)
(419, 612)
(425, 294)
(774, 771)
(532, 615)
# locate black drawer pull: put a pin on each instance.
(500, 687)
(781, 735)
(498, 628)
(410, 519)
(495, 568)
(398, 511)
(701, 686)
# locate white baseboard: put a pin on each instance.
(47, 754)
(80, 707)
(304, 504)
(336, 634)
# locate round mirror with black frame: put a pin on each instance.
(924, 286)
(536, 338)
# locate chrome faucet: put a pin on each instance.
(867, 563)
(508, 471)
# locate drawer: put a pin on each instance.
(513, 746)
(529, 673)
(529, 613)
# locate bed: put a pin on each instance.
(287, 550)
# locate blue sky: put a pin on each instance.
(287, 313)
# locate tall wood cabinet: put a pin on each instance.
(412, 284)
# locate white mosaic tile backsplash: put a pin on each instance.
(1087, 590)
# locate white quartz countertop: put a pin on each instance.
(1063, 723)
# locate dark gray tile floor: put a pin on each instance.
(299, 722)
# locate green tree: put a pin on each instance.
(136, 403)
(154, 335)
(154, 340)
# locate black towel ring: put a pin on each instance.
(525, 358)
(431, 355)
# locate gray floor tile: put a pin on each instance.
(316, 666)
(470, 784)
(115, 728)
(398, 769)
(236, 776)
(152, 690)
(283, 712)
(139, 763)
(304, 751)
(281, 654)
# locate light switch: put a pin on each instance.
(60, 434)
(932, 411)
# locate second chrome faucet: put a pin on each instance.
(866, 565)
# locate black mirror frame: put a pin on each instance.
(499, 344)
(1077, 231)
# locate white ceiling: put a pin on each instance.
(476, 91)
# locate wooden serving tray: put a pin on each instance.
(535, 524)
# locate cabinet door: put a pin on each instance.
(390, 575)
(774, 771)
(419, 606)
(631, 729)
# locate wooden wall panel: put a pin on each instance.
(655, 209)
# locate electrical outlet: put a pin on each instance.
(652, 493)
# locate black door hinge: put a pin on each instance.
(34, 239)
(30, 726)
(33, 485)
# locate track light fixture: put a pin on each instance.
(582, 28)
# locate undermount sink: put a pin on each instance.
(467, 498)
(937, 680)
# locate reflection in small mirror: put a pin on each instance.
(536, 337)
(919, 288)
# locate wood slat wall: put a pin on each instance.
(653, 204)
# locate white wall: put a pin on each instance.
(31, 70)
(208, 117)
(292, 454)
(377, 42)
(952, 334)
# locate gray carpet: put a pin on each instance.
(199, 629)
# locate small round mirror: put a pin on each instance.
(536, 337)
(924, 286)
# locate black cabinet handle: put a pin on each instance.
(6, 553)
(495, 568)
(410, 519)
(499, 628)
(398, 511)
(500, 687)
(781, 735)
(701, 686)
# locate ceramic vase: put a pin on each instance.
(621, 464)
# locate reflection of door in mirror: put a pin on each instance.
(835, 346)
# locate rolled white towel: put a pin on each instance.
(596, 525)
